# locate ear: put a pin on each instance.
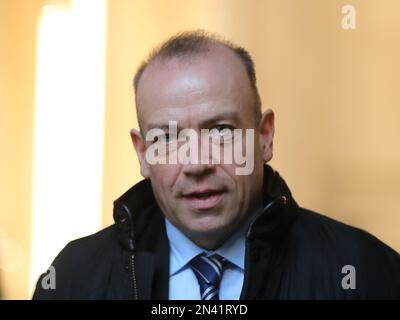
(140, 148)
(267, 130)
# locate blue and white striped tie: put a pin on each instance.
(208, 271)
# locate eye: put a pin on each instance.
(164, 138)
(222, 127)
(222, 133)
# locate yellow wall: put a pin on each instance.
(334, 92)
(17, 66)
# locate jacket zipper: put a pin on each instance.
(135, 291)
(280, 199)
(246, 269)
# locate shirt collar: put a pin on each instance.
(183, 249)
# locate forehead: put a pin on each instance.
(195, 87)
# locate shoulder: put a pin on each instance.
(81, 252)
(335, 247)
(90, 246)
(325, 231)
(82, 263)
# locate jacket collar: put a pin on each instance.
(135, 209)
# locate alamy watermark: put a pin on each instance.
(349, 280)
(349, 17)
(49, 280)
(211, 146)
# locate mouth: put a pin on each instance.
(205, 199)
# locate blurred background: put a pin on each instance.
(67, 105)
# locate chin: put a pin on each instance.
(209, 226)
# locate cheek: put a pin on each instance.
(163, 177)
(248, 185)
(229, 170)
(236, 182)
(244, 185)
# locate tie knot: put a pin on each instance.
(208, 271)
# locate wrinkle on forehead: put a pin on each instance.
(194, 116)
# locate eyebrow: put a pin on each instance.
(161, 126)
(229, 115)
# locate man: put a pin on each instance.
(196, 229)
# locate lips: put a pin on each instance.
(204, 199)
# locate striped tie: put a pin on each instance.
(208, 271)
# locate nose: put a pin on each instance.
(201, 163)
(198, 169)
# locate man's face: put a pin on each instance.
(212, 90)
